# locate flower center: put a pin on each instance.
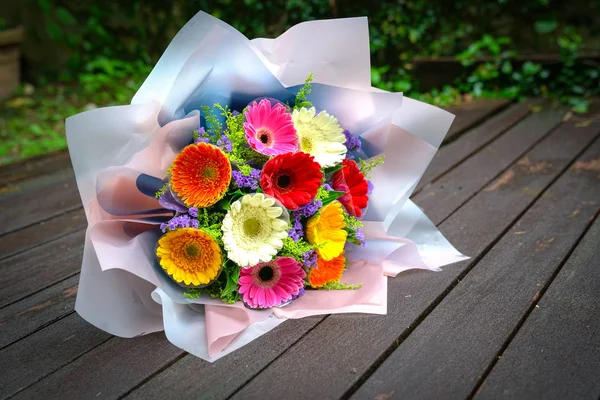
(264, 136)
(192, 250)
(266, 273)
(306, 144)
(209, 172)
(252, 227)
(284, 181)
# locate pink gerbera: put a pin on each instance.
(271, 284)
(270, 130)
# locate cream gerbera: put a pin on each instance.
(320, 136)
(253, 230)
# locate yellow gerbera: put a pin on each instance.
(326, 231)
(190, 256)
(320, 136)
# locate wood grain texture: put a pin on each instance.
(456, 187)
(556, 354)
(33, 270)
(27, 361)
(344, 347)
(42, 232)
(470, 114)
(35, 167)
(38, 199)
(192, 377)
(474, 139)
(451, 349)
(37, 311)
(108, 371)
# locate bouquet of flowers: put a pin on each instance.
(248, 183)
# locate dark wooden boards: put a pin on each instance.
(509, 160)
(556, 353)
(37, 199)
(35, 269)
(108, 371)
(344, 347)
(472, 113)
(457, 186)
(447, 354)
(30, 359)
(42, 232)
(34, 167)
(452, 154)
(37, 311)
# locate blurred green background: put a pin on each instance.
(82, 54)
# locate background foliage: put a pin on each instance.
(85, 53)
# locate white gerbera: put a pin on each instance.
(253, 230)
(320, 136)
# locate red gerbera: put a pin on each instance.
(291, 178)
(353, 183)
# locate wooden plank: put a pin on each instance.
(472, 113)
(27, 361)
(336, 352)
(33, 270)
(37, 311)
(112, 369)
(475, 139)
(556, 354)
(42, 232)
(106, 372)
(46, 197)
(22, 188)
(34, 167)
(451, 349)
(460, 184)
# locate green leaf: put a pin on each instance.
(65, 16)
(545, 26)
(332, 195)
(331, 170)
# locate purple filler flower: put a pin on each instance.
(311, 208)
(352, 142)
(360, 236)
(370, 187)
(310, 259)
(251, 181)
(296, 232)
(180, 221)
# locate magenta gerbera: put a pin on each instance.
(269, 129)
(271, 284)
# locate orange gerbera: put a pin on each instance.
(327, 271)
(200, 175)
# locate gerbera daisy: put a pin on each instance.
(292, 178)
(354, 185)
(190, 256)
(200, 175)
(327, 271)
(320, 136)
(271, 284)
(253, 230)
(269, 129)
(326, 231)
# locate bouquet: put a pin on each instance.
(252, 181)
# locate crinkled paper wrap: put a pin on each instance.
(122, 289)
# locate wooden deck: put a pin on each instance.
(516, 186)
